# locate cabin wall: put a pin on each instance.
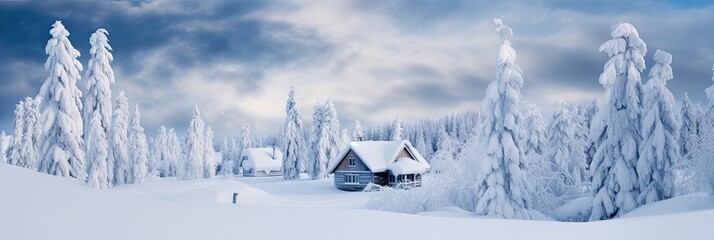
(404, 153)
(344, 164)
(364, 179)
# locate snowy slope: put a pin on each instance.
(39, 206)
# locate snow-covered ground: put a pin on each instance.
(40, 206)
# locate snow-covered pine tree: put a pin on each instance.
(120, 164)
(560, 142)
(227, 163)
(25, 151)
(61, 145)
(357, 131)
(4, 145)
(689, 133)
(97, 154)
(317, 157)
(209, 164)
(32, 121)
(397, 129)
(706, 124)
(152, 156)
(659, 151)
(16, 157)
(193, 148)
(591, 113)
(344, 139)
(235, 156)
(580, 144)
(614, 184)
(172, 166)
(162, 152)
(138, 151)
(501, 187)
(99, 77)
(443, 161)
(292, 138)
(332, 129)
(536, 138)
(245, 140)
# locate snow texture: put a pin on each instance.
(61, 145)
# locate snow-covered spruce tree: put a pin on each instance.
(536, 138)
(3, 147)
(317, 157)
(24, 152)
(235, 156)
(209, 164)
(560, 142)
(397, 129)
(706, 124)
(345, 139)
(162, 152)
(138, 151)
(227, 163)
(193, 148)
(357, 131)
(614, 185)
(61, 145)
(15, 156)
(245, 140)
(32, 116)
(332, 125)
(501, 187)
(659, 150)
(689, 132)
(594, 136)
(119, 142)
(580, 143)
(97, 154)
(172, 166)
(99, 77)
(443, 161)
(292, 138)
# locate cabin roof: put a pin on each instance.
(378, 155)
(406, 166)
(262, 158)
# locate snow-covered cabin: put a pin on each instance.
(386, 163)
(261, 162)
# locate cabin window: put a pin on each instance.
(391, 178)
(352, 162)
(351, 178)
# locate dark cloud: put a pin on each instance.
(165, 50)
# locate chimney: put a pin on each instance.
(273, 152)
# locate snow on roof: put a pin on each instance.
(378, 155)
(262, 158)
(406, 165)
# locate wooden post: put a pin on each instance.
(235, 197)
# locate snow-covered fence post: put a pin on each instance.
(235, 197)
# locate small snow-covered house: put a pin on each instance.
(386, 163)
(261, 162)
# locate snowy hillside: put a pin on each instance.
(40, 206)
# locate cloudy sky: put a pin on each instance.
(375, 58)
